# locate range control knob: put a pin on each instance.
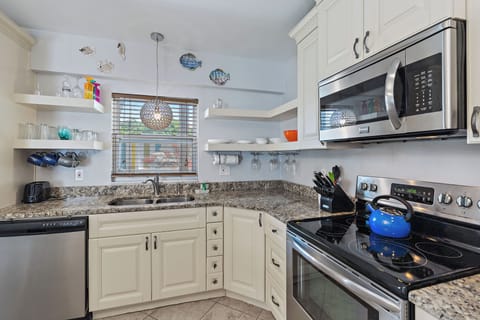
(373, 187)
(464, 201)
(364, 186)
(478, 204)
(444, 198)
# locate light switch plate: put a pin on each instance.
(78, 174)
(224, 170)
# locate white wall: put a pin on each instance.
(450, 161)
(14, 76)
(254, 84)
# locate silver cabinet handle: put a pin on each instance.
(476, 111)
(390, 94)
(275, 302)
(155, 242)
(367, 34)
(275, 263)
(260, 219)
(355, 48)
(146, 243)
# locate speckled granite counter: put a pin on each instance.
(454, 300)
(281, 204)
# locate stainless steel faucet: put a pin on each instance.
(155, 184)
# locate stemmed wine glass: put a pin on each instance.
(273, 161)
(256, 164)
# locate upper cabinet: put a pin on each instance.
(351, 30)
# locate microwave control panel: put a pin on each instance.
(424, 85)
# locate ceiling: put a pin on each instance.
(246, 28)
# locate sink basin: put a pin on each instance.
(175, 199)
(131, 202)
(140, 201)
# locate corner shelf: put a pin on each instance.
(57, 144)
(52, 103)
(286, 146)
(283, 112)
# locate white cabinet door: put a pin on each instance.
(307, 68)
(244, 257)
(119, 271)
(178, 263)
(340, 27)
(473, 74)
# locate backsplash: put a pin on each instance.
(129, 190)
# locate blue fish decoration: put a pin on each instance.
(219, 77)
(190, 61)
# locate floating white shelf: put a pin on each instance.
(52, 103)
(57, 144)
(283, 112)
(286, 146)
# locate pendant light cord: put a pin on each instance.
(157, 71)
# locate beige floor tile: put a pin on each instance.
(221, 312)
(185, 311)
(129, 316)
(266, 315)
(247, 317)
(247, 308)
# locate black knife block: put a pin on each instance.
(338, 202)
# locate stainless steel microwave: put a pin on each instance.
(414, 89)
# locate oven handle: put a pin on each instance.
(353, 287)
(390, 94)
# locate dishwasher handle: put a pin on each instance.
(42, 226)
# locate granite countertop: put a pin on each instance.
(281, 204)
(455, 300)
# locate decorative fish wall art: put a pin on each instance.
(88, 51)
(105, 66)
(219, 77)
(122, 50)
(190, 61)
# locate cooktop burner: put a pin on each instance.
(399, 264)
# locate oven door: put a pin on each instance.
(320, 288)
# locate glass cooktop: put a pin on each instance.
(425, 257)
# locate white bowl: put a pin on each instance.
(275, 140)
(261, 140)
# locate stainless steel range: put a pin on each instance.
(338, 269)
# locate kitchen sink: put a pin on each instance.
(175, 199)
(141, 201)
(131, 202)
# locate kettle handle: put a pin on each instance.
(409, 207)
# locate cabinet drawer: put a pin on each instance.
(129, 223)
(276, 231)
(276, 300)
(214, 264)
(214, 247)
(214, 214)
(215, 281)
(215, 230)
(276, 264)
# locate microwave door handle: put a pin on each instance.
(390, 94)
(476, 111)
(360, 291)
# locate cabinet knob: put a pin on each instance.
(274, 230)
(215, 281)
(215, 247)
(214, 266)
(214, 231)
(214, 213)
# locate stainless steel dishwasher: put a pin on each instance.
(43, 272)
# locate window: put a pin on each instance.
(140, 151)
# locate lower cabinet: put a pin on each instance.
(128, 268)
(244, 253)
(178, 263)
(423, 315)
(119, 271)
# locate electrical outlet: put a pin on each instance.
(224, 170)
(78, 174)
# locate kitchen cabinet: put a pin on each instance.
(215, 248)
(137, 257)
(244, 254)
(351, 30)
(423, 315)
(178, 263)
(473, 76)
(119, 271)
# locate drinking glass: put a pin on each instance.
(44, 131)
(274, 162)
(293, 166)
(286, 164)
(256, 164)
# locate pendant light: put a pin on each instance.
(156, 114)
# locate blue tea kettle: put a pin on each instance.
(387, 221)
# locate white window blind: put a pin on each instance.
(140, 151)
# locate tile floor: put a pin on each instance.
(223, 308)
